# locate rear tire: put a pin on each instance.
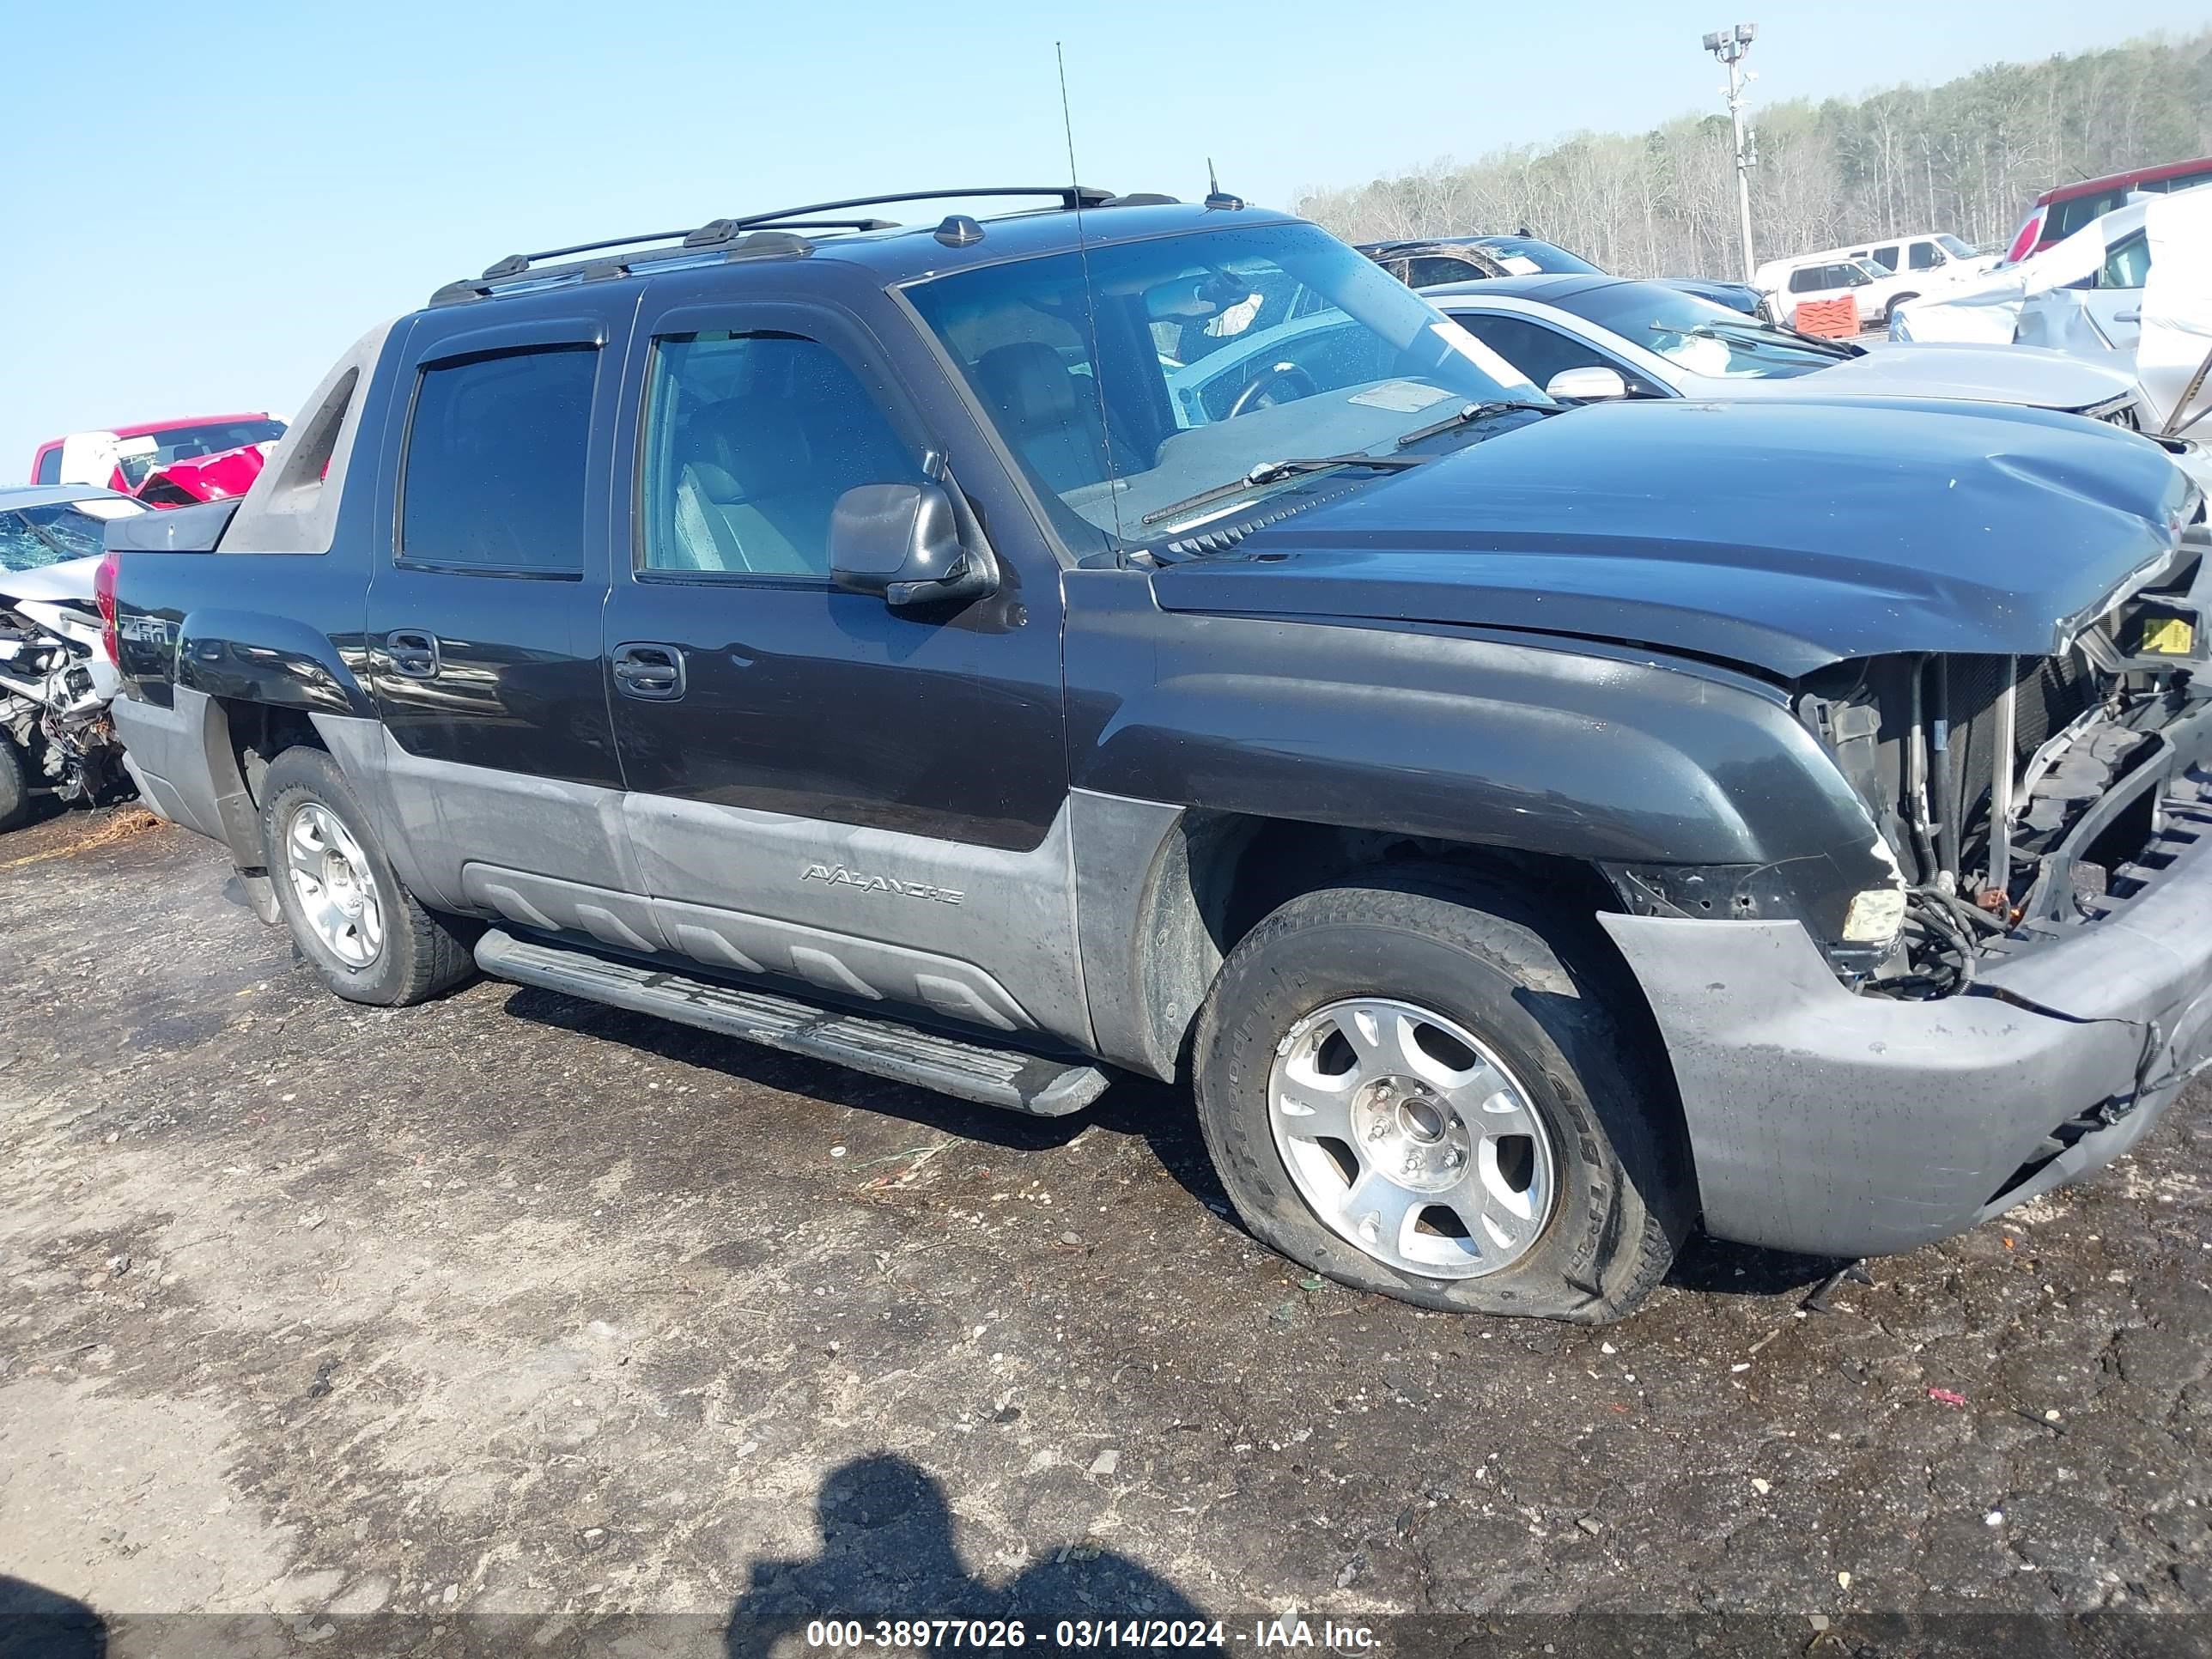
(349, 915)
(14, 786)
(1564, 1115)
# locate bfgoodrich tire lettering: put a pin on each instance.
(1536, 997)
(412, 954)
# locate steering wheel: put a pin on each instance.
(1290, 375)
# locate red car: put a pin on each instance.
(166, 463)
(2059, 213)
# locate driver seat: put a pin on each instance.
(1047, 414)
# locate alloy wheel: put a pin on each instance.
(1410, 1139)
(336, 889)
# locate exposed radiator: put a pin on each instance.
(2049, 691)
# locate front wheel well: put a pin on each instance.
(1280, 860)
(1224, 873)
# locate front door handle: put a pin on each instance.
(650, 673)
(413, 652)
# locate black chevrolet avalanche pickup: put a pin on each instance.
(1118, 634)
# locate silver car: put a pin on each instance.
(1583, 337)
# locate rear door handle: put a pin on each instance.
(413, 652)
(649, 672)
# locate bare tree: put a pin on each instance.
(1965, 156)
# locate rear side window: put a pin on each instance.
(494, 474)
(1808, 279)
(1885, 257)
(50, 466)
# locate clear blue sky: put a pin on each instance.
(212, 200)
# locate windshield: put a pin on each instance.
(1954, 246)
(1524, 256)
(1186, 362)
(136, 457)
(1703, 337)
(32, 538)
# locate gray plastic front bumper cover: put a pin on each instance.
(1843, 1125)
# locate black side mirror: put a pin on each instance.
(902, 542)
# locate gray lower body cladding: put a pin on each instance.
(170, 753)
(1843, 1125)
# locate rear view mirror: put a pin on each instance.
(902, 542)
(1587, 385)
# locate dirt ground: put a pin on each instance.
(515, 1321)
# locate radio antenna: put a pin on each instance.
(1089, 297)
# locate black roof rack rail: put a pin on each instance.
(515, 264)
(1070, 196)
(721, 232)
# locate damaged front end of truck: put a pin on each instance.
(2033, 991)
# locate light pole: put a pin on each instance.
(1730, 45)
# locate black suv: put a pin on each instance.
(1532, 829)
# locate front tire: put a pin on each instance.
(1414, 1084)
(349, 913)
(15, 785)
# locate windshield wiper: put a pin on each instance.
(1471, 413)
(1760, 338)
(1269, 472)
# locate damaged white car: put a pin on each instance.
(56, 679)
(2131, 290)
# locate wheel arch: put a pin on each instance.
(1165, 894)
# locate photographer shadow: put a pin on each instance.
(888, 1554)
(36, 1623)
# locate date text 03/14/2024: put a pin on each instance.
(931, 1635)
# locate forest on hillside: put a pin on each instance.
(1967, 156)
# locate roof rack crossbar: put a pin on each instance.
(1068, 196)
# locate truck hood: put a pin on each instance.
(1988, 373)
(70, 580)
(1782, 536)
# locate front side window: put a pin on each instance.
(494, 476)
(1061, 353)
(750, 440)
(2127, 261)
(1926, 256)
(1703, 337)
(1537, 351)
